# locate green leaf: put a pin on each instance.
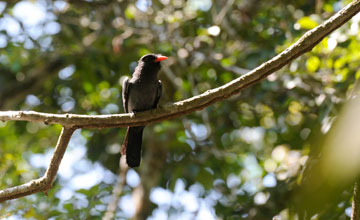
(307, 23)
(130, 11)
(205, 178)
(312, 64)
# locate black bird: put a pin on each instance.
(140, 93)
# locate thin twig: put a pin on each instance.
(356, 202)
(120, 183)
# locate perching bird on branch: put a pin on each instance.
(140, 93)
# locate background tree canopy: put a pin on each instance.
(238, 159)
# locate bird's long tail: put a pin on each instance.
(132, 146)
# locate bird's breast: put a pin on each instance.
(142, 96)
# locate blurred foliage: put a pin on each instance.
(243, 156)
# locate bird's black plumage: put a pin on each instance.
(140, 93)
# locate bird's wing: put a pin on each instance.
(125, 94)
(158, 94)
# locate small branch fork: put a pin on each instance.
(71, 122)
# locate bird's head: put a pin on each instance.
(152, 58)
(150, 63)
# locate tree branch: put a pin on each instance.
(44, 183)
(70, 122)
(118, 188)
(304, 44)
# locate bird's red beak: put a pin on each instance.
(161, 58)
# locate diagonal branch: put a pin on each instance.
(309, 40)
(42, 184)
(70, 122)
